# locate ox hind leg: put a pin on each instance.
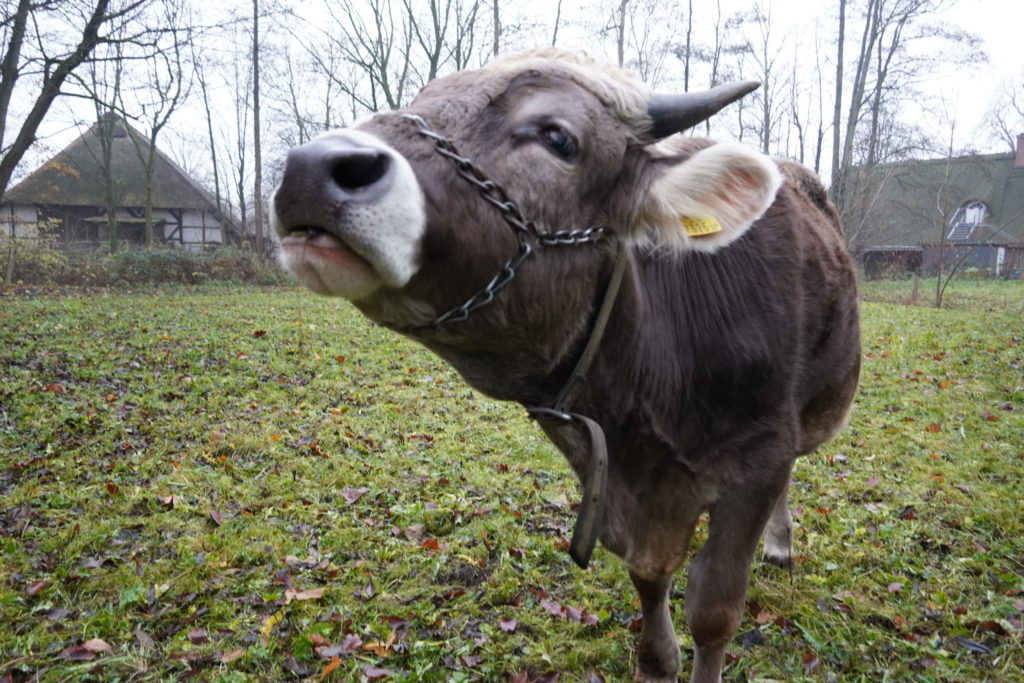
(717, 584)
(778, 533)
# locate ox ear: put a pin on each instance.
(708, 200)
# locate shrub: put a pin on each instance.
(139, 267)
(31, 255)
(235, 265)
(155, 266)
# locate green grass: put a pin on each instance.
(245, 484)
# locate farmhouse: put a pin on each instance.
(965, 210)
(70, 194)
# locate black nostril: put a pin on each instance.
(354, 169)
(326, 173)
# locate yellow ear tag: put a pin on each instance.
(700, 227)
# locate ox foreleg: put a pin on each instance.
(658, 651)
(717, 583)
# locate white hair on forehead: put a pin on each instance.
(621, 91)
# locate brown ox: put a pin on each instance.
(732, 346)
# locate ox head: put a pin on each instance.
(375, 214)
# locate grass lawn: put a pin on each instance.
(259, 485)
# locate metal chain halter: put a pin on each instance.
(526, 231)
(595, 480)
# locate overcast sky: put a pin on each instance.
(970, 91)
(1000, 23)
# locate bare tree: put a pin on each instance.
(497, 26)
(886, 71)
(445, 33)
(200, 66)
(1005, 116)
(944, 201)
(764, 56)
(463, 43)
(293, 102)
(644, 34)
(725, 42)
(237, 142)
(375, 53)
(257, 147)
(381, 48)
(104, 85)
(652, 34)
(45, 62)
(430, 31)
(688, 46)
(820, 137)
(837, 110)
(558, 21)
(620, 32)
(169, 84)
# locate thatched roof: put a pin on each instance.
(74, 177)
(905, 202)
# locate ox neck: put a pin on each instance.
(595, 480)
(562, 405)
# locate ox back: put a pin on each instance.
(486, 222)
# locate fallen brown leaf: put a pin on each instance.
(331, 666)
(312, 594)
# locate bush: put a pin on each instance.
(976, 274)
(140, 267)
(156, 266)
(31, 255)
(235, 265)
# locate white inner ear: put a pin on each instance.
(728, 183)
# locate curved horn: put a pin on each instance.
(674, 113)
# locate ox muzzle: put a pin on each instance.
(350, 214)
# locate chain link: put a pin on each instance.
(486, 295)
(526, 231)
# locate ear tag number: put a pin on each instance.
(700, 227)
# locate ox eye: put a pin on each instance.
(559, 141)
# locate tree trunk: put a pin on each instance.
(837, 112)
(623, 4)
(558, 20)
(257, 158)
(497, 28)
(689, 46)
(213, 156)
(148, 202)
(106, 125)
(9, 67)
(716, 57)
(9, 272)
(867, 44)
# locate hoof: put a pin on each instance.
(784, 561)
(646, 678)
(655, 671)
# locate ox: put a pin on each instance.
(679, 316)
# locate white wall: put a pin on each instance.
(23, 217)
